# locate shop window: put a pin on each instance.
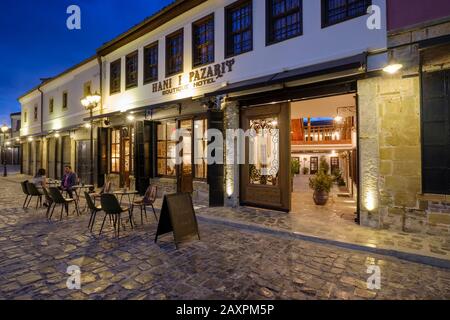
(115, 151)
(166, 149)
(151, 63)
(131, 75)
(284, 19)
(203, 41)
(201, 145)
(336, 11)
(174, 53)
(114, 76)
(239, 28)
(264, 151)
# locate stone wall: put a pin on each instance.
(390, 153)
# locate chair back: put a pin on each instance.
(24, 187)
(110, 204)
(151, 194)
(89, 201)
(33, 190)
(47, 195)
(56, 195)
(107, 187)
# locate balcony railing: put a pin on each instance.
(321, 135)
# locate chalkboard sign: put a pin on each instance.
(178, 216)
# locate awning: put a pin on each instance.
(102, 116)
(349, 63)
(434, 42)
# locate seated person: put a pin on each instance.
(39, 180)
(69, 180)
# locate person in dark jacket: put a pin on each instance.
(69, 180)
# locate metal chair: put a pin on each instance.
(148, 200)
(64, 202)
(112, 208)
(106, 189)
(48, 199)
(34, 192)
(93, 208)
(26, 203)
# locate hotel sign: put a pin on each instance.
(197, 78)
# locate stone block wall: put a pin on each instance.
(390, 153)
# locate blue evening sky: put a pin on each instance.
(35, 42)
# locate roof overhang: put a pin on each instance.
(318, 72)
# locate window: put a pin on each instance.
(115, 151)
(25, 117)
(174, 53)
(284, 19)
(151, 63)
(201, 145)
(203, 41)
(35, 112)
(51, 104)
(131, 62)
(264, 151)
(115, 75)
(87, 89)
(335, 11)
(436, 132)
(64, 100)
(166, 149)
(239, 28)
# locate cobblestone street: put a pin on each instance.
(228, 263)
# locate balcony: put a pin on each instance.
(306, 132)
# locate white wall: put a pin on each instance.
(316, 45)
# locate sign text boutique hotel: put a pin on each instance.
(227, 64)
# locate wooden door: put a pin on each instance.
(265, 176)
(314, 165)
(334, 164)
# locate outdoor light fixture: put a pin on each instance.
(5, 129)
(338, 119)
(130, 117)
(90, 102)
(57, 135)
(30, 139)
(393, 68)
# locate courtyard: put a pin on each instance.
(232, 261)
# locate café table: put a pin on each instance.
(126, 193)
(78, 189)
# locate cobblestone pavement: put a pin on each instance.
(327, 223)
(228, 263)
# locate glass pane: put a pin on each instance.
(171, 128)
(264, 151)
(162, 167)
(162, 152)
(161, 132)
(171, 170)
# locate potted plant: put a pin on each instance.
(321, 184)
(305, 171)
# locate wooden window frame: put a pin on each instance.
(194, 140)
(35, 112)
(116, 143)
(51, 105)
(87, 85)
(169, 71)
(196, 61)
(228, 34)
(65, 100)
(129, 59)
(166, 140)
(147, 66)
(113, 90)
(270, 19)
(324, 9)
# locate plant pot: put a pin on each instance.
(320, 198)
